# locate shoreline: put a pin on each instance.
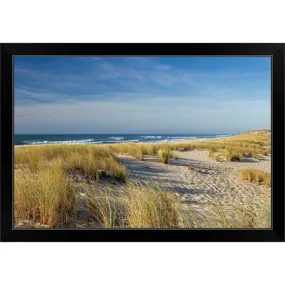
(116, 143)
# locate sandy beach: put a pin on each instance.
(214, 180)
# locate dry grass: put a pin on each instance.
(45, 197)
(239, 146)
(257, 176)
(90, 160)
(236, 156)
(151, 207)
(174, 155)
(130, 149)
(234, 216)
(255, 155)
(240, 217)
(106, 209)
(231, 155)
(232, 148)
(164, 156)
(138, 206)
(43, 193)
(212, 155)
(149, 149)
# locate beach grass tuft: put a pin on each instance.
(164, 156)
(106, 210)
(149, 206)
(212, 155)
(256, 175)
(139, 206)
(45, 197)
(231, 155)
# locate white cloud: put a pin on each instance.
(143, 114)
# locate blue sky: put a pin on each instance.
(141, 94)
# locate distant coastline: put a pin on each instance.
(258, 132)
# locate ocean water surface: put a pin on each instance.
(41, 139)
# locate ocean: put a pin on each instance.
(41, 139)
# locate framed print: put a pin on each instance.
(142, 142)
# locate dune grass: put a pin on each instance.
(212, 155)
(233, 148)
(236, 216)
(174, 155)
(130, 149)
(43, 193)
(149, 149)
(151, 207)
(256, 175)
(45, 197)
(106, 209)
(91, 165)
(248, 214)
(90, 160)
(231, 155)
(164, 155)
(138, 206)
(238, 146)
(255, 155)
(236, 156)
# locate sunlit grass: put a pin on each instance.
(164, 156)
(174, 155)
(138, 206)
(219, 215)
(212, 155)
(45, 197)
(256, 175)
(151, 207)
(231, 155)
(129, 149)
(90, 160)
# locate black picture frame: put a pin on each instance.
(275, 50)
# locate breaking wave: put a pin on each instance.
(59, 142)
(116, 138)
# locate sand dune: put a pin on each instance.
(214, 180)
